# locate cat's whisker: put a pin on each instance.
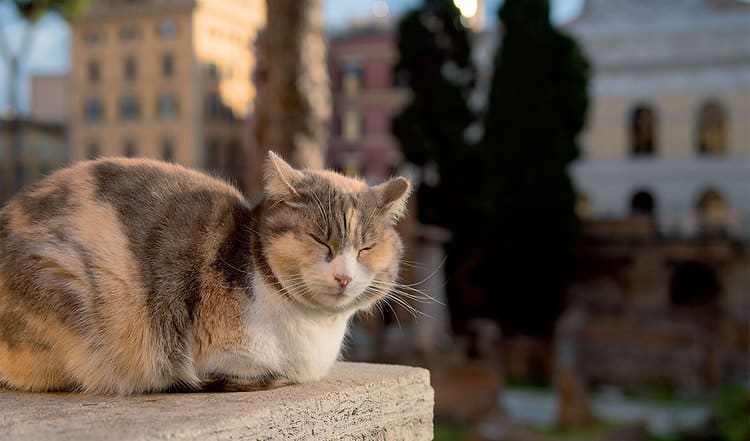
(412, 265)
(410, 309)
(390, 295)
(395, 314)
(234, 267)
(407, 290)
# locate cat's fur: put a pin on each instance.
(126, 276)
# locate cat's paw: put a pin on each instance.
(234, 384)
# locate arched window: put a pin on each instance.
(694, 284)
(642, 131)
(712, 212)
(642, 204)
(711, 128)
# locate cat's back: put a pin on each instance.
(93, 260)
(119, 190)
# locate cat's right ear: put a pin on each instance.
(280, 179)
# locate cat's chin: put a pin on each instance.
(335, 301)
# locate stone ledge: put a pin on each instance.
(357, 401)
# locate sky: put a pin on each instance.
(50, 53)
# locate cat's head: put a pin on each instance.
(329, 240)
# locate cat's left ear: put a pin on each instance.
(393, 194)
(280, 179)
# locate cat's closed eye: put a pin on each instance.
(329, 256)
(364, 250)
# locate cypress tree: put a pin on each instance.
(434, 63)
(536, 108)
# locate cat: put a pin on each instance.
(125, 276)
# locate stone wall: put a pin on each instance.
(356, 401)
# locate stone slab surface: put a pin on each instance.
(357, 401)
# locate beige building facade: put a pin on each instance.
(668, 132)
(164, 79)
(50, 98)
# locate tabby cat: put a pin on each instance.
(122, 276)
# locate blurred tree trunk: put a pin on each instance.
(293, 105)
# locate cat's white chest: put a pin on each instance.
(282, 340)
(312, 348)
(291, 342)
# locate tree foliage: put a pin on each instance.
(32, 10)
(536, 108)
(434, 62)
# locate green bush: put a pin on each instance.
(732, 412)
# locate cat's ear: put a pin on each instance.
(280, 179)
(393, 195)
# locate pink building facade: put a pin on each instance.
(365, 99)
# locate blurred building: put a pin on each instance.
(165, 79)
(34, 146)
(29, 150)
(365, 98)
(667, 136)
(662, 299)
(50, 98)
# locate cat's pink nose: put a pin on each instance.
(342, 279)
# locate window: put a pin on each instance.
(212, 155)
(694, 284)
(712, 212)
(711, 128)
(167, 65)
(233, 161)
(212, 71)
(351, 74)
(130, 68)
(93, 111)
(167, 150)
(352, 167)
(129, 108)
(45, 169)
(336, 125)
(20, 175)
(46, 147)
(128, 33)
(92, 38)
(642, 131)
(166, 105)
(351, 126)
(167, 29)
(227, 114)
(642, 204)
(213, 106)
(129, 149)
(93, 71)
(92, 151)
